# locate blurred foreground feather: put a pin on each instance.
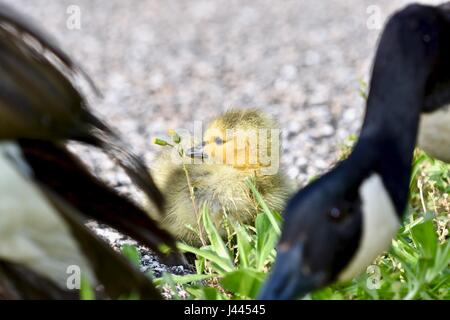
(41, 108)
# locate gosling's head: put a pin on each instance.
(247, 140)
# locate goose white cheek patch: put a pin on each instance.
(379, 225)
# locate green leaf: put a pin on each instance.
(200, 265)
(188, 278)
(243, 282)
(205, 293)
(264, 207)
(441, 262)
(86, 290)
(425, 238)
(265, 241)
(132, 254)
(217, 243)
(327, 294)
(224, 265)
(244, 246)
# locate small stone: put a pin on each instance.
(311, 58)
(289, 72)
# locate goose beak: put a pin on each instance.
(289, 280)
(197, 152)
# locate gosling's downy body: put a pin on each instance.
(219, 179)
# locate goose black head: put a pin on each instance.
(332, 231)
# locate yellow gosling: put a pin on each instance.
(238, 146)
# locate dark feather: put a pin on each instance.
(38, 98)
(56, 168)
(132, 164)
(118, 276)
(20, 283)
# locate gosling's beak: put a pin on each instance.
(288, 279)
(197, 152)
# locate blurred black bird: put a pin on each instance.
(336, 226)
(46, 193)
(39, 101)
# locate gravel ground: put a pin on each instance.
(164, 63)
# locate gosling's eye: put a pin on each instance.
(218, 140)
(336, 214)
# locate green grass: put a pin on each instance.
(416, 266)
(234, 269)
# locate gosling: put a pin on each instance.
(238, 146)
